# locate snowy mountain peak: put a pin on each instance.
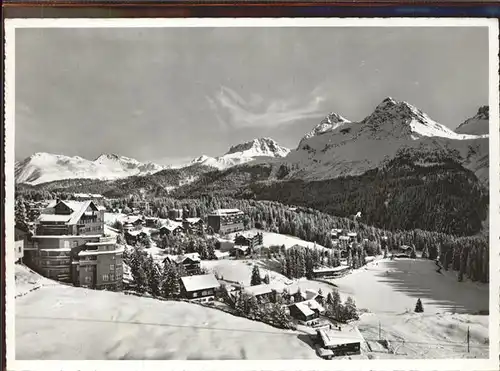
(260, 147)
(44, 167)
(402, 120)
(245, 152)
(476, 125)
(329, 123)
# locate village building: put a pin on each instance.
(199, 287)
(191, 262)
(193, 225)
(261, 292)
(306, 312)
(99, 265)
(224, 245)
(331, 272)
(252, 241)
(240, 251)
(352, 236)
(174, 214)
(171, 229)
(136, 221)
(151, 222)
(338, 342)
(224, 221)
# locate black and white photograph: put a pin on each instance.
(252, 190)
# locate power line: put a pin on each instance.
(234, 330)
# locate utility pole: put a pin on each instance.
(468, 339)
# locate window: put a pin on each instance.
(75, 243)
(111, 277)
(195, 294)
(105, 277)
(88, 279)
(66, 244)
(112, 267)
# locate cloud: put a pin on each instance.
(232, 110)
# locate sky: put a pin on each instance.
(168, 95)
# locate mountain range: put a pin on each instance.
(45, 167)
(398, 165)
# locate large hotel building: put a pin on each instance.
(69, 245)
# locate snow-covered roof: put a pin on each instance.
(352, 234)
(307, 307)
(240, 247)
(135, 233)
(344, 238)
(331, 269)
(226, 211)
(220, 254)
(75, 217)
(311, 294)
(199, 282)
(180, 258)
(193, 220)
(257, 290)
(336, 337)
(132, 219)
(171, 226)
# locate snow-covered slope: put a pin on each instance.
(45, 167)
(352, 148)
(477, 125)
(244, 153)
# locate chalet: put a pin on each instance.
(136, 220)
(199, 287)
(152, 222)
(224, 245)
(307, 312)
(171, 229)
(193, 225)
(134, 236)
(261, 292)
(338, 342)
(252, 241)
(352, 236)
(314, 295)
(190, 262)
(221, 255)
(239, 251)
(175, 214)
(331, 272)
(335, 233)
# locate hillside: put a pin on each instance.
(63, 322)
(428, 191)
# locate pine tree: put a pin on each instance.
(211, 251)
(349, 310)
(21, 217)
(266, 279)
(419, 308)
(255, 279)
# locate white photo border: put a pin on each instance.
(494, 146)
